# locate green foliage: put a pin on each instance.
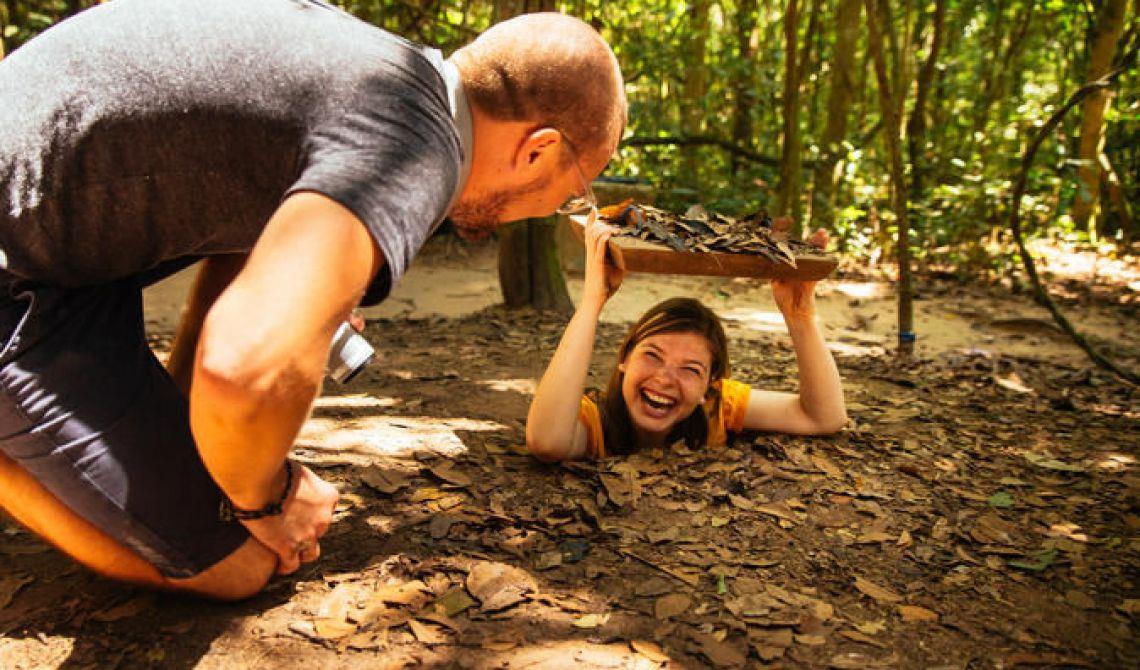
(1003, 68)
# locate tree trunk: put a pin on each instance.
(838, 102)
(804, 66)
(695, 81)
(744, 87)
(539, 282)
(916, 125)
(529, 272)
(889, 104)
(789, 188)
(1106, 33)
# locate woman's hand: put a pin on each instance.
(602, 278)
(796, 299)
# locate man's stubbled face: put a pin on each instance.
(474, 219)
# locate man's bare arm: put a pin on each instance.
(214, 275)
(262, 355)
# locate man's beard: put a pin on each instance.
(475, 219)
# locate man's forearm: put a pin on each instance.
(245, 430)
(214, 275)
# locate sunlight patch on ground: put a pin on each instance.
(575, 654)
(862, 290)
(42, 651)
(853, 349)
(1069, 261)
(756, 319)
(389, 435)
(523, 386)
(354, 401)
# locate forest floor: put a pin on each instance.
(981, 510)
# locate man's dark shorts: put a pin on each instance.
(87, 409)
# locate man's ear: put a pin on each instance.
(538, 147)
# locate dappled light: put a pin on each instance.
(523, 386)
(355, 402)
(764, 321)
(861, 290)
(390, 436)
(914, 461)
(851, 349)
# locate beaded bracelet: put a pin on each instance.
(228, 512)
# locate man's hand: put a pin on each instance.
(796, 299)
(295, 533)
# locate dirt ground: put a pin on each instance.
(979, 511)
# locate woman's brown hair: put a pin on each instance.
(676, 315)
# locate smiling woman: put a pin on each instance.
(668, 361)
(672, 378)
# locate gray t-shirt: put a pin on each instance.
(142, 134)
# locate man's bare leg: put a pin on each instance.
(240, 575)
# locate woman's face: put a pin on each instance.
(666, 378)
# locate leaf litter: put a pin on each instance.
(887, 545)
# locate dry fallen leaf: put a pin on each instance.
(649, 650)
(10, 585)
(428, 633)
(332, 629)
(860, 637)
(723, 654)
(772, 637)
(824, 463)
(447, 472)
(498, 586)
(126, 610)
(879, 593)
(412, 593)
(914, 613)
(1080, 599)
(590, 620)
(453, 602)
(778, 510)
(671, 605)
(384, 481)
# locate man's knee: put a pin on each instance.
(242, 574)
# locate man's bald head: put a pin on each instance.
(551, 69)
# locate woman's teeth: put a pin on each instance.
(655, 401)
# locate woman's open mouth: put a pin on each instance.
(657, 405)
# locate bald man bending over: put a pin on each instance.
(303, 157)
